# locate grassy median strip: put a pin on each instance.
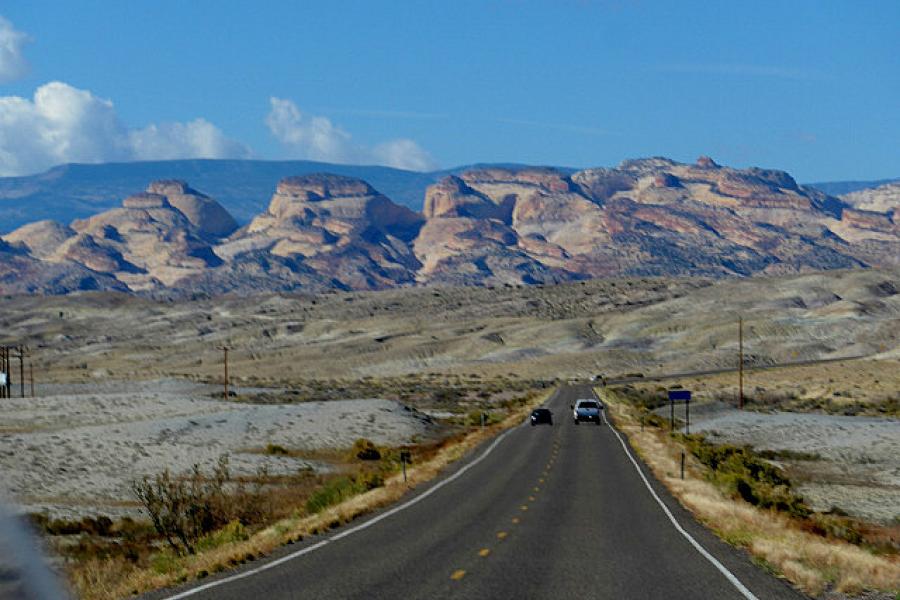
(749, 504)
(332, 503)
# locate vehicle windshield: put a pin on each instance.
(588, 405)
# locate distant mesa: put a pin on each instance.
(482, 226)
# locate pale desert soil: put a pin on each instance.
(858, 458)
(75, 450)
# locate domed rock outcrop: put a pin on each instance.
(451, 197)
(335, 225)
(41, 238)
(204, 213)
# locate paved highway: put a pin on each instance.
(542, 512)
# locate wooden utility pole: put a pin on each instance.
(741, 363)
(225, 350)
(21, 371)
(6, 367)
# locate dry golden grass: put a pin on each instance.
(111, 579)
(809, 561)
(864, 386)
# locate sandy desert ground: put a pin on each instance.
(75, 450)
(842, 415)
(852, 462)
(86, 435)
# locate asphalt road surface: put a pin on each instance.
(542, 512)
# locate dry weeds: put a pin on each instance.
(809, 561)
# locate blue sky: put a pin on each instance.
(812, 87)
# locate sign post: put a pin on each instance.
(405, 457)
(680, 396)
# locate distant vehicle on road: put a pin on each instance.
(541, 415)
(586, 410)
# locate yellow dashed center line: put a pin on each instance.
(501, 535)
(515, 520)
(540, 481)
(458, 574)
(484, 552)
(524, 507)
(531, 498)
(537, 489)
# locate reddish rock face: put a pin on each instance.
(549, 180)
(705, 162)
(451, 197)
(601, 184)
(170, 187)
(322, 187)
(146, 200)
(863, 219)
(650, 216)
(666, 180)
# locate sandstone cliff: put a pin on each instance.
(486, 226)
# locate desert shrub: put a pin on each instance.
(101, 526)
(342, 488)
(446, 395)
(370, 480)
(473, 418)
(276, 450)
(364, 449)
(836, 526)
(744, 474)
(184, 509)
(232, 532)
(165, 562)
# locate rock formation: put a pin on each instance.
(339, 226)
(487, 226)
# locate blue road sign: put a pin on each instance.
(679, 395)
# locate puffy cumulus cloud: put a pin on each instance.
(12, 61)
(317, 138)
(196, 139)
(65, 124)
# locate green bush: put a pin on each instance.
(836, 526)
(342, 488)
(276, 450)
(232, 532)
(473, 418)
(744, 474)
(364, 449)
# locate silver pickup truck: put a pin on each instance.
(587, 409)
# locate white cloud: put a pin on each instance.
(66, 124)
(317, 138)
(12, 62)
(196, 139)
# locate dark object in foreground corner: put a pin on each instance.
(541, 415)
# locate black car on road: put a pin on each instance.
(541, 415)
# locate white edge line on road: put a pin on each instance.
(731, 577)
(343, 534)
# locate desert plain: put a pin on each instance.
(127, 386)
